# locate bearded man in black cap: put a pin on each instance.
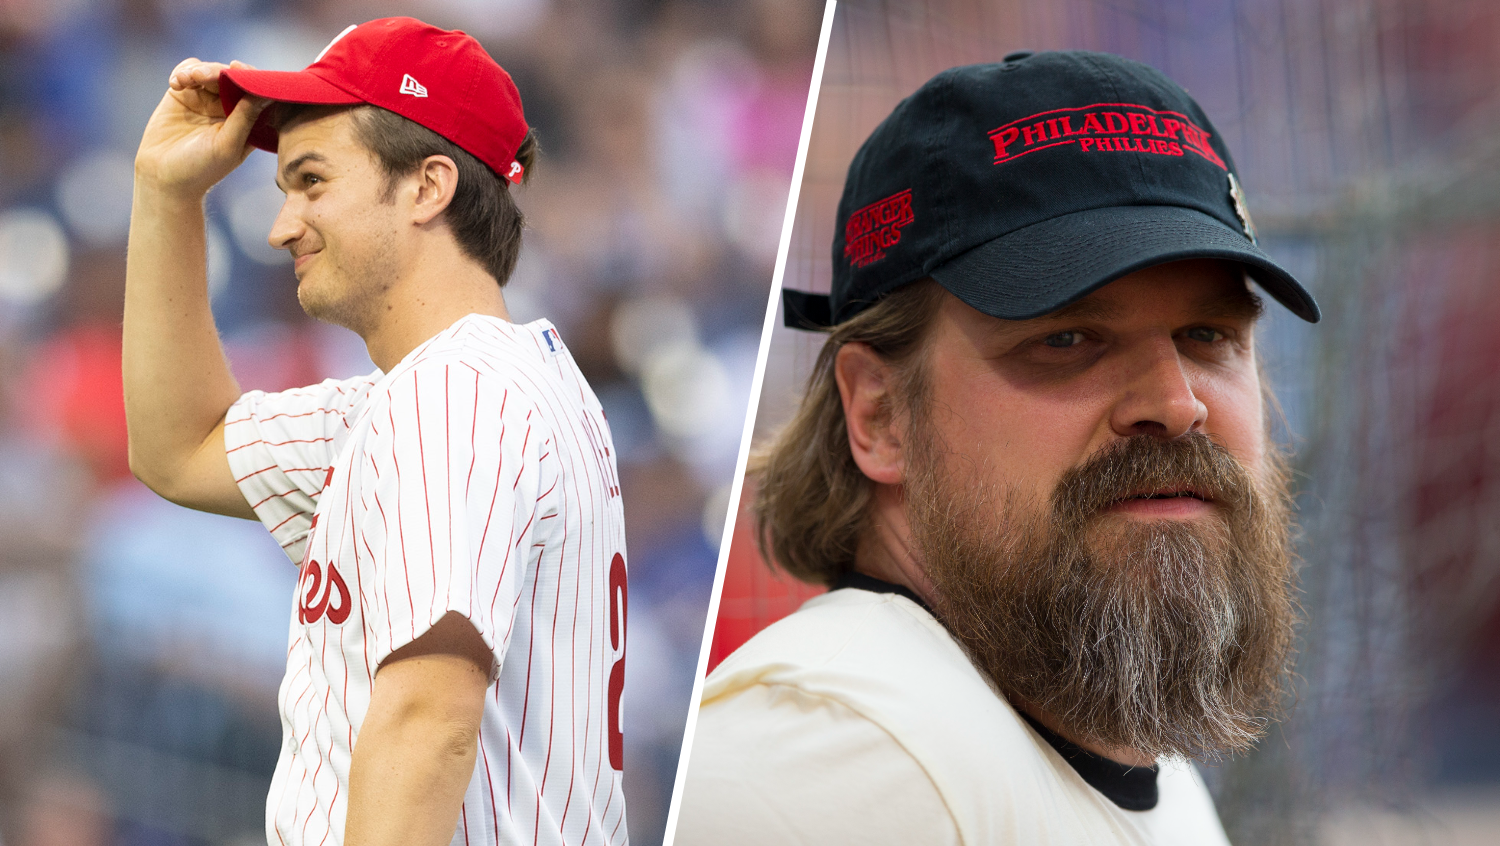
(1033, 465)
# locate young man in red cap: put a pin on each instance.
(1033, 465)
(457, 644)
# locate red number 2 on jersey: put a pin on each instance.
(618, 600)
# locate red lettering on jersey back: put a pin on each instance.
(601, 455)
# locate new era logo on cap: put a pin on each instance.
(409, 85)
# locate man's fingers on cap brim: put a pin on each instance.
(191, 60)
(238, 124)
(196, 74)
(179, 75)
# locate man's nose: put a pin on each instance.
(287, 228)
(1158, 398)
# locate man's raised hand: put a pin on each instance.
(189, 144)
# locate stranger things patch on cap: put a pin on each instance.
(1023, 186)
(441, 79)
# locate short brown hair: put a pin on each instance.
(483, 215)
(811, 499)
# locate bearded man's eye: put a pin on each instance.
(1063, 339)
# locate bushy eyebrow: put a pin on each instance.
(1085, 309)
(1244, 306)
(291, 168)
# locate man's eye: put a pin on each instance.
(1063, 339)
(1205, 335)
(310, 179)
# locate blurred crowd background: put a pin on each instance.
(141, 644)
(1367, 135)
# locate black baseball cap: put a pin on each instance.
(1025, 185)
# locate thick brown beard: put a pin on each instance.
(1164, 637)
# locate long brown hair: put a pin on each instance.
(811, 498)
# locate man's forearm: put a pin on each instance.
(177, 383)
(415, 752)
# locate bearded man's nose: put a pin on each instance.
(1158, 397)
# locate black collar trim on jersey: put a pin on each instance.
(859, 581)
(1131, 788)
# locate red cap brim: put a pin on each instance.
(281, 86)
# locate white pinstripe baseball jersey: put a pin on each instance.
(478, 477)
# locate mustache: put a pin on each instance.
(1148, 466)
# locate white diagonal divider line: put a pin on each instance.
(752, 407)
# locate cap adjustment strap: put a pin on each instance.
(806, 311)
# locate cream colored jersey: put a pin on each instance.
(859, 719)
(476, 477)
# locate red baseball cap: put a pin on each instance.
(442, 79)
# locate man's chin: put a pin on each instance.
(1149, 634)
(1149, 550)
(315, 305)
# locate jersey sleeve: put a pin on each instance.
(774, 764)
(280, 446)
(455, 466)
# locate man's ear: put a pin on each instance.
(864, 381)
(435, 180)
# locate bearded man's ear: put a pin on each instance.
(865, 384)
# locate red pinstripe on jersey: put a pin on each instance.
(415, 490)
